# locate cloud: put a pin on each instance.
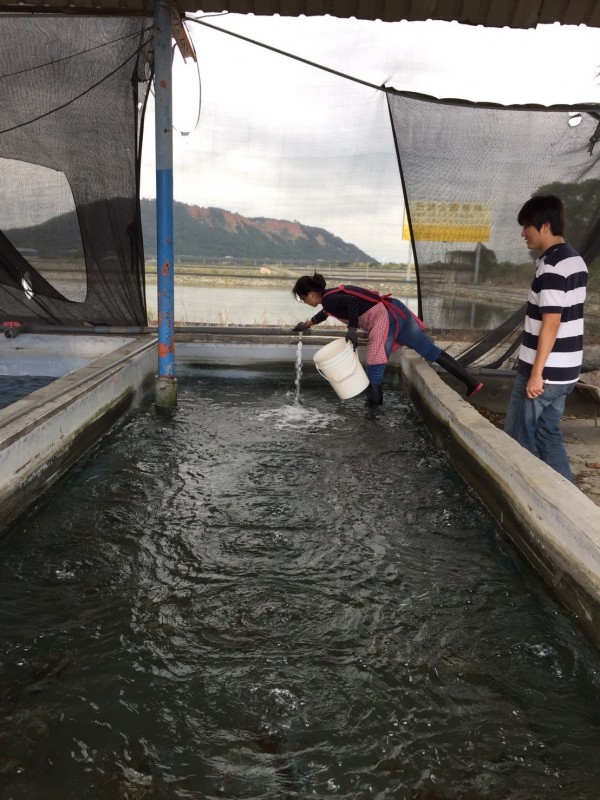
(280, 138)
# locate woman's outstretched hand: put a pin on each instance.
(301, 327)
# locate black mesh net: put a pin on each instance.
(71, 105)
(467, 169)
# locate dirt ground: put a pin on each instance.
(582, 440)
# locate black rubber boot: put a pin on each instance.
(454, 368)
(374, 395)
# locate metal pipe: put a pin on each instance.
(89, 330)
(234, 330)
(248, 330)
(166, 391)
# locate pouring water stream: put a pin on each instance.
(294, 414)
(298, 370)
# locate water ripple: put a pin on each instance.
(259, 599)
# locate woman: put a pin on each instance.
(390, 325)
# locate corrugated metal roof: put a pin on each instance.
(491, 13)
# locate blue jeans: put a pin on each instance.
(411, 335)
(535, 423)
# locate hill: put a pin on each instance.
(215, 233)
(203, 233)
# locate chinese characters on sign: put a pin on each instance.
(449, 222)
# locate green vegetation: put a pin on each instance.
(202, 233)
(214, 233)
(57, 237)
(582, 231)
(583, 226)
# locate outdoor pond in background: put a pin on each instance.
(269, 594)
(270, 306)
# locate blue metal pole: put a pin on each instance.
(166, 383)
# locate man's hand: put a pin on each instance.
(535, 387)
(546, 338)
(301, 327)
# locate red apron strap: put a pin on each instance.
(375, 297)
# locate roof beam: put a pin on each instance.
(489, 13)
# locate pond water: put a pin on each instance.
(16, 387)
(271, 306)
(275, 594)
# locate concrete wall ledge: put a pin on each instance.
(42, 435)
(54, 354)
(553, 524)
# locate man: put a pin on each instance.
(552, 347)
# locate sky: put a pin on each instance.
(280, 138)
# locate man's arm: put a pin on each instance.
(546, 338)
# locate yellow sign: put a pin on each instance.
(449, 222)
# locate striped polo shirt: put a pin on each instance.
(558, 287)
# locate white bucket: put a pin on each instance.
(338, 362)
